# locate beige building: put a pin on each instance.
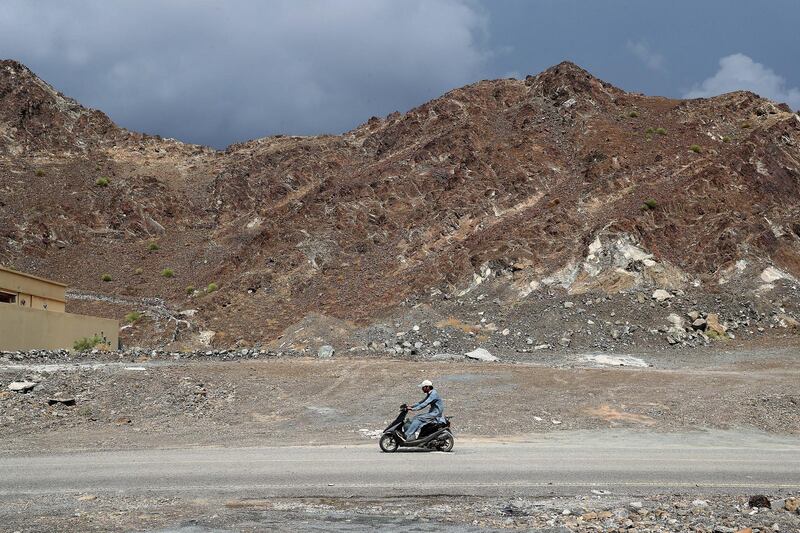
(33, 315)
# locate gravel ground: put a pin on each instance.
(153, 400)
(576, 513)
(291, 400)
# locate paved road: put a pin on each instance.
(566, 463)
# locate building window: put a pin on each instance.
(6, 298)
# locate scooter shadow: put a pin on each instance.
(415, 450)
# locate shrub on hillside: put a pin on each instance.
(86, 343)
(649, 205)
(132, 317)
(102, 182)
(167, 273)
(106, 277)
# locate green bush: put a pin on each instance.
(138, 271)
(167, 273)
(132, 317)
(87, 343)
(212, 287)
(695, 148)
(106, 277)
(190, 290)
(152, 246)
(661, 131)
(649, 205)
(102, 182)
(633, 114)
(745, 125)
(39, 172)
(649, 131)
(726, 139)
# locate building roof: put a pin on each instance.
(25, 274)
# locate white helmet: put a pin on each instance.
(426, 383)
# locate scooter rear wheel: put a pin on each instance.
(388, 443)
(446, 443)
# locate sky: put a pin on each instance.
(220, 72)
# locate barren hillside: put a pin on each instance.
(507, 213)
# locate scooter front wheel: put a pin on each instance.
(388, 443)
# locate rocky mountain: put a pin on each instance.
(556, 211)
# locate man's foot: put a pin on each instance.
(400, 435)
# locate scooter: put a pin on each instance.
(432, 436)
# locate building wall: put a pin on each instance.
(35, 292)
(46, 304)
(22, 328)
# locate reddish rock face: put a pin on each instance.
(519, 175)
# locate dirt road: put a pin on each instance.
(621, 461)
(259, 489)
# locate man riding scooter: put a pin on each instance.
(434, 414)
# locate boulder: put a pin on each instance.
(661, 295)
(759, 500)
(792, 504)
(481, 354)
(325, 352)
(713, 324)
(447, 357)
(700, 324)
(676, 321)
(787, 321)
(63, 401)
(21, 386)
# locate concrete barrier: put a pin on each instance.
(30, 329)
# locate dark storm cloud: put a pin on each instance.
(225, 71)
(219, 72)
